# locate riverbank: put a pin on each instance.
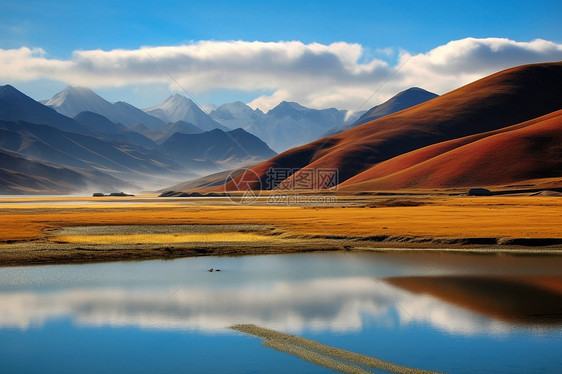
(47, 230)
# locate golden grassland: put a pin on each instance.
(521, 217)
(36, 221)
(161, 238)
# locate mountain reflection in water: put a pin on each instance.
(535, 300)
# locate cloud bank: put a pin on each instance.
(315, 75)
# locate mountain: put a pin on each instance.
(129, 115)
(238, 115)
(97, 145)
(166, 131)
(403, 100)
(73, 100)
(504, 99)
(208, 108)
(285, 126)
(16, 106)
(115, 131)
(99, 123)
(21, 176)
(68, 149)
(181, 127)
(351, 118)
(179, 108)
(216, 145)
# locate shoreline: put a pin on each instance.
(27, 253)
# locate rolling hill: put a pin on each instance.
(527, 151)
(504, 99)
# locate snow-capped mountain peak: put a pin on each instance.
(73, 100)
(180, 108)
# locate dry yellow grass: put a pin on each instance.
(519, 217)
(160, 238)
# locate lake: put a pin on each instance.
(446, 312)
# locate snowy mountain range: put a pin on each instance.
(43, 151)
(285, 126)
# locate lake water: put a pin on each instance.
(429, 311)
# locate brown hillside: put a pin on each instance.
(503, 99)
(531, 150)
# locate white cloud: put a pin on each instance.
(462, 61)
(314, 75)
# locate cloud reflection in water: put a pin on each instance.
(319, 304)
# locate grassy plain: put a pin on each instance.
(31, 224)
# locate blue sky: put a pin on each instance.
(384, 29)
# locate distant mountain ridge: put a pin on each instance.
(237, 115)
(99, 122)
(73, 100)
(22, 176)
(15, 105)
(285, 126)
(403, 100)
(76, 150)
(91, 144)
(115, 131)
(218, 146)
